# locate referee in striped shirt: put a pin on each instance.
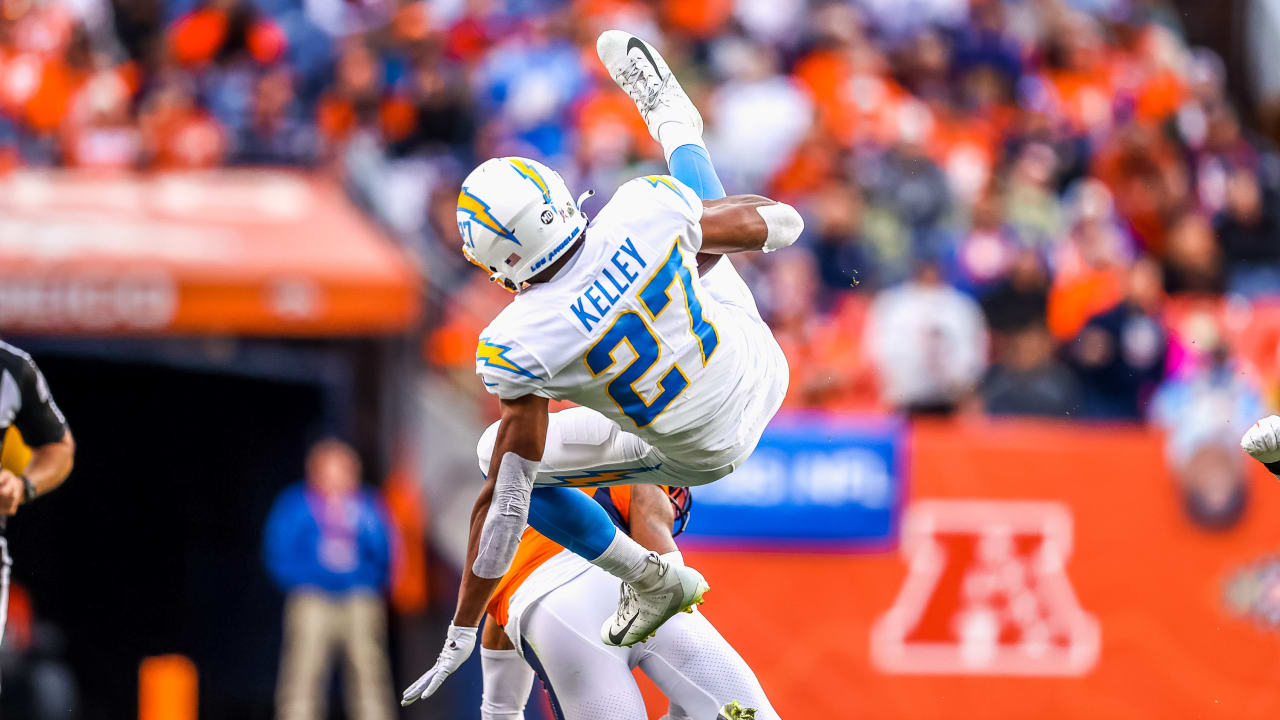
(27, 404)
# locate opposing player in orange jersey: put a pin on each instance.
(543, 619)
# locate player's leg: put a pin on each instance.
(687, 157)
(585, 449)
(699, 672)
(673, 120)
(507, 677)
(690, 163)
(507, 682)
(581, 446)
(585, 679)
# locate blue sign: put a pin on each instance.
(813, 479)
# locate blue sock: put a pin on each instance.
(691, 165)
(572, 519)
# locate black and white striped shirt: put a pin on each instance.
(25, 400)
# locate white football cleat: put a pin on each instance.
(1262, 441)
(638, 68)
(667, 590)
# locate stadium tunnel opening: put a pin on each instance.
(153, 546)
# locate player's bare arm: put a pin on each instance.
(522, 432)
(49, 467)
(497, 522)
(739, 223)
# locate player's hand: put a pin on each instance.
(458, 644)
(12, 491)
(1262, 441)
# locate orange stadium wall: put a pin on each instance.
(1128, 599)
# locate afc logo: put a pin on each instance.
(986, 593)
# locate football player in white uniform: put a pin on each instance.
(636, 318)
(542, 620)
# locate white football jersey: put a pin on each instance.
(628, 329)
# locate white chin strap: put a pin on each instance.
(583, 197)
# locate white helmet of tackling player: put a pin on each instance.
(516, 217)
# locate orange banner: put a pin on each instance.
(225, 252)
(1044, 570)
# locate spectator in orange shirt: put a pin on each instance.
(1147, 179)
(1120, 354)
(1090, 265)
(1081, 73)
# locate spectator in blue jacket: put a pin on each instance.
(328, 545)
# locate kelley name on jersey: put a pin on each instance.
(617, 276)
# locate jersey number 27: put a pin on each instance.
(631, 328)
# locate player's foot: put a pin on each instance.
(640, 71)
(734, 711)
(644, 606)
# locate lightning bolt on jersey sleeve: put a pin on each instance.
(654, 195)
(507, 368)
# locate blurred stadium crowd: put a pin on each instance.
(1048, 208)
(1007, 201)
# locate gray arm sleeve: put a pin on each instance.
(508, 514)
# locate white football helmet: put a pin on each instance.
(516, 217)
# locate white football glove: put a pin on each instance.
(1262, 441)
(458, 644)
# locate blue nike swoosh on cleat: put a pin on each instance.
(636, 43)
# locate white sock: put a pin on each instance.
(507, 681)
(673, 558)
(624, 559)
(673, 134)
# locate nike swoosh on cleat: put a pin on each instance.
(617, 638)
(636, 43)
